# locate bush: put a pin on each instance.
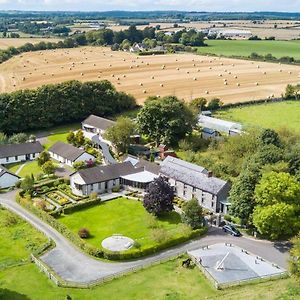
(84, 233)
(116, 189)
(227, 218)
(159, 235)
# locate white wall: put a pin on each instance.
(8, 180)
(83, 157)
(17, 159)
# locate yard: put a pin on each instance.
(17, 238)
(245, 48)
(167, 281)
(271, 115)
(25, 168)
(127, 217)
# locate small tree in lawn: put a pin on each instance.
(43, 157)
(71, 138)
(27, 183)
(48, 167)
(79, 138)
(159, 197)
(192, 214)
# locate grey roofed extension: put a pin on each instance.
(66, 151)
(98, 122)
(11, 150)
(5, 171)
(105, 173)
(192, 175)
(142, 163)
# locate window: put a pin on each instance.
(7, 159)
(194, 190)
(99, 186)
(33, 155)
(212, 203)
(92, 187)
(106, 185)
(16, 157)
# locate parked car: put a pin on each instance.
(232, 230)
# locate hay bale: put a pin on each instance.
(221, 64)
(23, 79)
(256, 83)
(94, 65)
(280, 70)
(81, 74)
(187, 72)
(131, 67)
(152, 77)
(265, 73)
(112, 75)
(198, 70)
(229, 73)
(109, 65)
(290, 72)
(52, 74)
(235, 77)
(124, 76)
(210, 68)
(195, 79)
(220, 75)
(177, 69)
(238, 84)
(225, 83)
(206, 92)
(141, 84)
(258, 66)
(161, 85)
(144, 91)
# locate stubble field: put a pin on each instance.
(184, 75)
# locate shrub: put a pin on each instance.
(84, 233)
(227, 218)
(116, 189)
(159, 235)
(93, 196)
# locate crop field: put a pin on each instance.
(17, 42)
(271, 115)
(245, 48)
(186, 76)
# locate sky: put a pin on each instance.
(195, 5)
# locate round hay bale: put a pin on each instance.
(220, 75)
(187, 72)
(177, 69)
(224, 80)
(124, 76)
(118, 78)
(210, 68)
(206, 92)
(144, 91)
(280, 70)
(94, 65)
(99, 76)
(233, 65)
(52, 74)
(221, 64)
(70, 69)
(290, 72)
(194, 65)
(137, 66)
(130, 67)
(109, 65)
(112, 75)
(147, 64)
(225, 70)
(152, 77)
(44, 73)
(258, 66)
(198, 70)
(235, 77)
(229, 73)
(23, 79)
(124, 59)
(256, 83)
(265, 73)
(238, 84)
(161, 85)
(225, 83)
(141, 84)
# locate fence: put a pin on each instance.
(70, 284)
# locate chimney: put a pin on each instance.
(209, 174)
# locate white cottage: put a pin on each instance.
(14, 153)
(97, 125)
(68, 154)
(7, 179)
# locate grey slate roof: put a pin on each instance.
(105, 173)
(5, 171)
(10, 150)
(98, 122)
(66, 151)
(192, 175)
(144, 164)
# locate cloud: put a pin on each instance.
(200, 5)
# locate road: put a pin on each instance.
(75, 266)
(105, 150)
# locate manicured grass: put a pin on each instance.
(30, 167)
(270, 115)
(60, 133)
(168, 281)
(121, 216)
(17, 239)
(245, 48)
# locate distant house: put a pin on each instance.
(13, 153)
(7, 179)
(230, 128)
(97, 125)
(68, 154)
(192, 181)
(230, 33)
(138, 47)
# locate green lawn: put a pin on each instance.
(168, 281)
(30, 167)
(17, 239)
(121, 216)
(270, 115)
(245, 48)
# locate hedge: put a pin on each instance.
(145, 53)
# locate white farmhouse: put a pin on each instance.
(97, 125)
(68, 154)
(7, 179)
(14, 153)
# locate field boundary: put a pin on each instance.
(71, 284)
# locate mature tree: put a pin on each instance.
(277, 220)
(192, 214)
(27, 183)
(277, 187)
(214, 104)
(119, 134)
(159, 197)
(295, 256)
(71, 138)
(43, 158)
(3, 138)
(198, 103)
(269, 154)
(270, 136)
(242, 194)
(165, 120)
(48, 167)
(79, 138)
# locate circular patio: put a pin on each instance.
(117, 243)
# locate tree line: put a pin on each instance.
(61, 103)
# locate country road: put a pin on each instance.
(71, 264)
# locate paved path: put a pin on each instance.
(73, 265)
(105, 150)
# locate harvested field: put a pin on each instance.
(184, 75)
(17, 42)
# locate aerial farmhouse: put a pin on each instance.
(68, 154)
(192, 181)
(97, 125)
(14, 153)
(7, 179)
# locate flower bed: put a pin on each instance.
(65, 189)
(56, 197)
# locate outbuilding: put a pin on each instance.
(97, 125)
(7, 179)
